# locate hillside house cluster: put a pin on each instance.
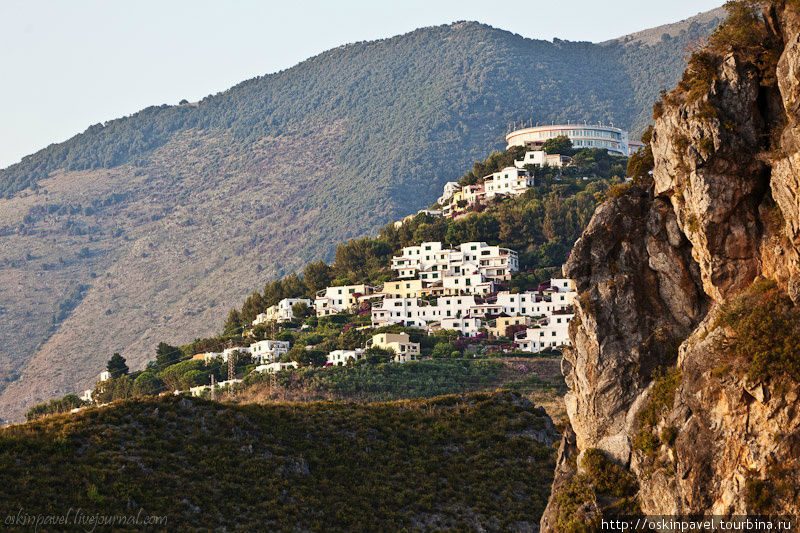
(546, 312)
(437, 288)
(510, 181)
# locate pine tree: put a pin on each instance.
(116, 366)
(167, 355)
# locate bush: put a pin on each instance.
(660, 400)
(147, 383)
(765, 327)
(608, 477)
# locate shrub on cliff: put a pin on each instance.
(764, 332)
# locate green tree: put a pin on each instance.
(641, 162)
(375, 355)
(234, 323)
(317, 276)
(558, 145)
(147, 383)
(301, 311)
(167, 355)
(253, 305)
(443, 350)
(116, 366)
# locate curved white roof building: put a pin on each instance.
(612, 139)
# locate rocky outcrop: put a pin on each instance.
(640, 296)
(650, 385)
(710, 172)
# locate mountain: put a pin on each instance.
(685, 368)
(150, 227)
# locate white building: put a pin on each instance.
(563, 284)
(207, 357)
(428, 256)
(553, 333)
(492, 261)
(333, 300)
(466, 326)
(612, 139)
(473, 283)
(343, 357)
(449, 190)
(272, 368)
(533, 303)
(269, 350)
(510, 180)
(411, 312)
(400, 343)
(431, 262)
(282, 311)
(199, 390)
(87, 395)
(542, 159)
(261, 318)
(237, 351)
(105, 375)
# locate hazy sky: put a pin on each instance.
(65, 65)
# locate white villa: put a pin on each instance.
(510, 180)
(450, 188)
(399, 343)
(558, 297)
(542, 158)
(342, 357)
(415, 312)
(282, 311)
(466, 326)
(552, 334)
(272, 368)
(431, 262)
(207, 357)
(269, 350)
(467, 283)
(335, 300)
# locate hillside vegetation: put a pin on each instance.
(473, 462)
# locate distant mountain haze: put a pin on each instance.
(151, 227)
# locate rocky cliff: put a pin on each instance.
(685, 363)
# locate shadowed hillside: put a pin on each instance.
(150, 227)
(479, 462)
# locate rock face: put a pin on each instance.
(640, 296)
(653, 270)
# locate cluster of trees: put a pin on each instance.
(54, 406)
(172, 369)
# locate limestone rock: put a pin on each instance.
(652, 270)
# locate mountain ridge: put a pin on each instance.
(166, 222)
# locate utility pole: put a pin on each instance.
(232, 365)
(213, 388)
(231, 357)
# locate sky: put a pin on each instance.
(65, 65)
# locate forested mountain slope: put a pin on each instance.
(151, 226)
